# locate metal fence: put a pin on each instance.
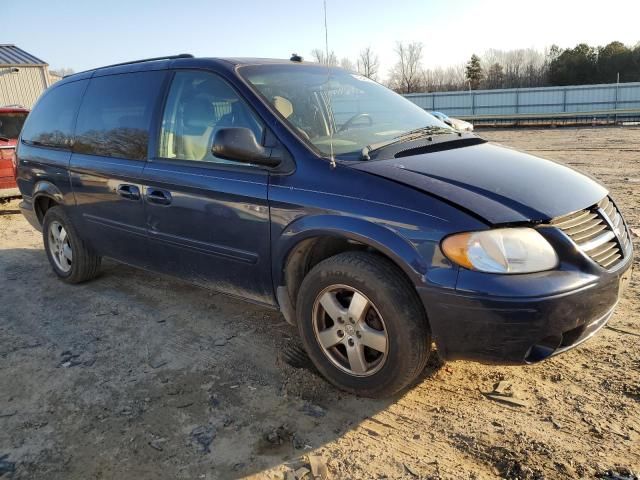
(620, 100)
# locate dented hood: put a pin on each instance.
(496, 183)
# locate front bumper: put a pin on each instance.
(516, 329)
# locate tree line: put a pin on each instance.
(519, 68)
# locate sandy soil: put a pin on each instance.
(139, 376)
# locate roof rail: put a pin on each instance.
(167, 57)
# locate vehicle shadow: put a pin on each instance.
(195, 382)
(9, 212)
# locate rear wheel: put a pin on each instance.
(70, 258)
(362, 324)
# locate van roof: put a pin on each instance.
(161, 62)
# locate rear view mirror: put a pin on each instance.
(239, 144)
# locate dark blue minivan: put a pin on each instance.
(371, 225)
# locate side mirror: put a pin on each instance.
(239, 144)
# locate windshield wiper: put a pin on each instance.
(414, 134)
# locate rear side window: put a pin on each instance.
(51, 122)
(115, 115)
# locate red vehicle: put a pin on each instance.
(11, 120)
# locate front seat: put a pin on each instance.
(197, 126)
(285, 108)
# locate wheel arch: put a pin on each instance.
(308, 241)
(45, 195)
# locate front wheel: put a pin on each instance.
(362, 324)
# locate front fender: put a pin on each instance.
(379, 237)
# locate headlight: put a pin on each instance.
(503, 250)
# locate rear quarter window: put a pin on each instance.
(115, 115)
(51, 122)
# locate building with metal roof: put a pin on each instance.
(23, 77)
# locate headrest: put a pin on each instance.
(284, 106)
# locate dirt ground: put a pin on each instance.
(139, 376)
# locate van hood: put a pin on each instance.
(499, 184)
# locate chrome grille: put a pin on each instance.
(598, 231)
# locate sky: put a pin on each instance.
(82, 34)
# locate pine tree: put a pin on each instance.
(474, 72)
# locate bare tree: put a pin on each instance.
(320, 56)
(368, 63)
(525, 67)
(347, 64)
(444, 79)
(495, 68)
(61, 72)
(495, 76)
(406, 75)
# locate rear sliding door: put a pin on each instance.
(109, 153)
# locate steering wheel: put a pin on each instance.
(348, 123)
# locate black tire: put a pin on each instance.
(393, 296)
(85, 264)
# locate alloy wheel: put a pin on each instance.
(60, 246)
(350, 330)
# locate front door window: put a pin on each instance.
(198, 105)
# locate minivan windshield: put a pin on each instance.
(338, 111)
(11, 124)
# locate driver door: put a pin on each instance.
(208, 218)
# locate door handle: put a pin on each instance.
(157, 196)
(130, 192)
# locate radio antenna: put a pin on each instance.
(326, 59)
